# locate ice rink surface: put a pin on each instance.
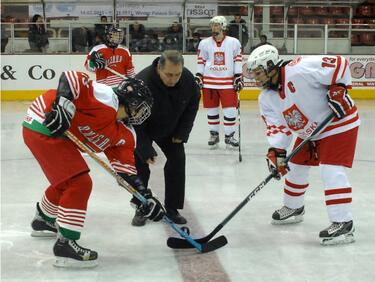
(216, 184)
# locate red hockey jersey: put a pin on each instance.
(118, 59)
(95, 122)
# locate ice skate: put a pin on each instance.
(213, 141)
(337, 233)
(69, 254)
(287, 215)
(41, 227)
(231, 142)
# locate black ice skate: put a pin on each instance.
(231, 142)
(69, 254)
(41, 227)
(213, 141)
(287, 215)
(337, 233)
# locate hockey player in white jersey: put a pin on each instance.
(296, 97)
(219, 74)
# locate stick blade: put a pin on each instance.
(179, 243)
(215, 244)
(207, 245)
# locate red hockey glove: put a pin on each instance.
(238, 82)
(276, 162)
(339, 100)
(199, 80)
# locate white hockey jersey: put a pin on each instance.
(218, 62)
(301, 104)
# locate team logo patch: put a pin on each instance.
(295, 119)
(219, 58)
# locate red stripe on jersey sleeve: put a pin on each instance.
(334, 78)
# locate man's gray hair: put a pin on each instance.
(173, 56)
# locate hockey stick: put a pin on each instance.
(202, 247)
(239, 127)
(177, 243)
(115, 72)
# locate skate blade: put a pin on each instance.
(213, 147)
(230, 147)
(73, 263)
(290, 220)
(340, 240)
(43, 234)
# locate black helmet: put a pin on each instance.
(137, 99)
(113, 36)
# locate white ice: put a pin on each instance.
(216, 184)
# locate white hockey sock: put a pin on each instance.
(213, 119)
(230, 116)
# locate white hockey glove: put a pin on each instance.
(58, 120)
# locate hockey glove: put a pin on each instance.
(276, 162)
(154, 210)
(199, 80)
(238, 82)
(339, 100)
(58, 120)
(98, 60)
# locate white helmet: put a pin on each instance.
(265, 56)
(219, 20)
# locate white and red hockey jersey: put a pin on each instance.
(95, 121)
(301, 104)
(118, 59)
(219, 61)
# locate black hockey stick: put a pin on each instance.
(239, 128)
(178, 243)
(202, 247)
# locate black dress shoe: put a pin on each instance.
(138, 220)
(175, 216)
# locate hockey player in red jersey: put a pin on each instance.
(219, 74)
(112, 55)
(297, 96)
(102, 119)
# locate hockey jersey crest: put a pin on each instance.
(301, 103)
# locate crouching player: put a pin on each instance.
(102, 119)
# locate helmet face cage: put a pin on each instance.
(137, 99)
(138, 112)
(114, 36)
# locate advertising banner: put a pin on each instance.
(203, 10)
(37, 73)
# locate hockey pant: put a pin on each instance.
(212, 98)
(333, 154)
(65, 200)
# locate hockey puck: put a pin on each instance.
(185, 229)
